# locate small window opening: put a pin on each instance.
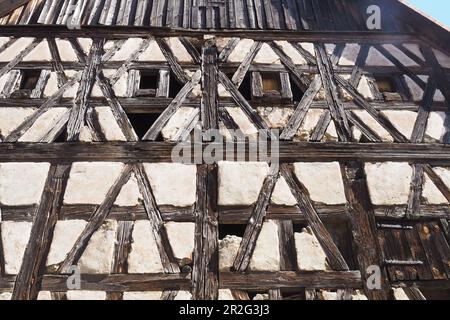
(386, 85)
(246, 87)
(30, 79)
(142, 122)
(271, 82)
(28, 82)
(174, 86)
(231, 230)
(148, 84)
(389, 88)
(297, 93)
(149, 80)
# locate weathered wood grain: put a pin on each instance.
(28, 281)
(205, 281)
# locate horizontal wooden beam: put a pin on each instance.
(111, 283)
(289, 279)
(240, 281)
(435, 154)
(233, 215)
(226, 67)
(158, 105)
(122, 32)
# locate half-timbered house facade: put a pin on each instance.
(95, 95)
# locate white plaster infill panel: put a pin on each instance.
(388, 182)
(15, 236)
(173, 183)
(322, 180)
(22, 183)
(240, 182)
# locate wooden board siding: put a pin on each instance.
(225, 14)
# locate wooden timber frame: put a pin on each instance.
(209, 69)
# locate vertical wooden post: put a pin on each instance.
(362, 218)
(205, 281)
(29, 279)
(210, 102)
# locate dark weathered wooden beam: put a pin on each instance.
(158, 229)
(78, 113)
(121, 32)
(289, 152)
(48, 103)
(377, 115)
(362, 219)
(2, 256)
(421, 123)
(301, 110)
(415, 193)
(254, 117)
(234, 215)
(122, 247)
(116, 108)
(443, 82)
(288, 253)
(438, 182)
(205, 281)
(321, 127)
(255, 223)
(332, 95)
(132, 59)
(261, 281)
(401, 67)
(210, 97)
(289, 279)
(57, 63)
(243, 68)
(10, 65)
(368, 132)
(228, 49)
(335, 259)
(173, 62)
(28, 281)
(301, 79)
(155, 105)
(158, 125)
(96, 221)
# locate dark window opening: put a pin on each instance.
(149, 80)
(231, 230)
(297, 93)
(386, 84)
(30, 79)
(142, 122)
(341, 234)
(174, 86)
(271, 82)
(28, 82)
(148, 84)
(390, 88)
(62, 137)
(246, 87)
(298, 227)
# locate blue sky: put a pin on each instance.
(438, 9)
